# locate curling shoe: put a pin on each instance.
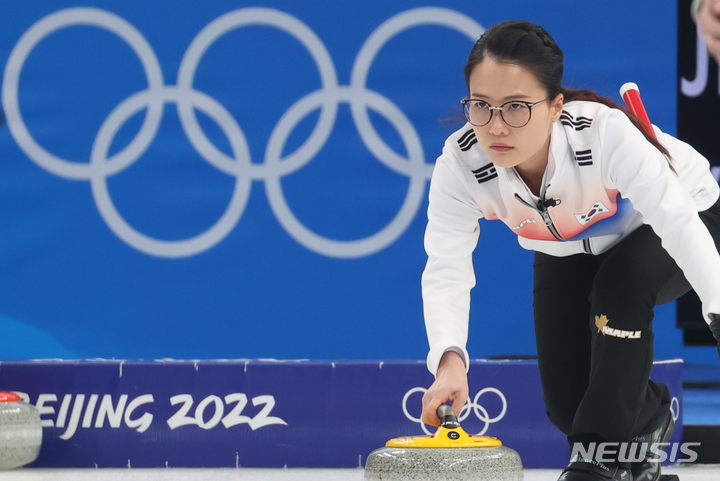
(581, 469)
(649, 469)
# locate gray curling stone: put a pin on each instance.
(449, 454)
(20, 431)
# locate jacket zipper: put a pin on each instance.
(541, 209)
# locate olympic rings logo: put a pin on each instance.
(471, 406)
(238, 165)
(675, 408)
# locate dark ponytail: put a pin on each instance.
(530, 46)
(591, 96)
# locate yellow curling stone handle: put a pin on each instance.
(448, 435)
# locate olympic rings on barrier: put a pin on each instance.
(471, 406)
(675, 408)
(239, 165)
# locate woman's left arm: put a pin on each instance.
(642, 174)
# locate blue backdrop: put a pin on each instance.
(227, 179)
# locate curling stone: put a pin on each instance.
(449, 454)
(20, 431)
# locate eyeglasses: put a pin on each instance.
(514, 113)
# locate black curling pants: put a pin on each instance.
(593, 328)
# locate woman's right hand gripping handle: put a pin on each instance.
(450, 385)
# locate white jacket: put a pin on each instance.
(603, 180)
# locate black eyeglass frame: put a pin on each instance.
(492, 108)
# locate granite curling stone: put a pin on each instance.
(449, 454)
(20, 431)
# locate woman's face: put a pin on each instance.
(525, 147)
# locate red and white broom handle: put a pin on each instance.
(631, 95)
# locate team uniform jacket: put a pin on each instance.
(603, 181)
